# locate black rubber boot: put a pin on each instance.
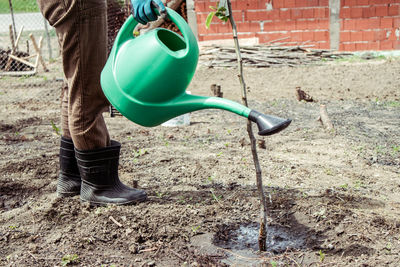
(100, 181)
(69, 179)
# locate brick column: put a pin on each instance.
(334, 24)
(191, 16)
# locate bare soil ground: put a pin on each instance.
(336, 195)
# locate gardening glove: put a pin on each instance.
(143, 10)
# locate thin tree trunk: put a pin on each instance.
(262, 238)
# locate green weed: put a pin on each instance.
(388, 248)
(195, 228)
(344, 186)
(320, 214)
(69, 260)
(379, 150)
(329, 171)
(183, 200)
(210, 179)
(101, 210)
(55, 128)
(274, 103)
(8, 257)
(215, 197)
(395, 149)
(359, 184)
(137, 154)
(321, 256)
(161, 194)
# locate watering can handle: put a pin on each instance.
(126, 31)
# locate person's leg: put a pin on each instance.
(81, 26)
(82, 29)
(69, 180)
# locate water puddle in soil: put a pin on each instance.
(240, 245)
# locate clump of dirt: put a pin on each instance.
(333, 197)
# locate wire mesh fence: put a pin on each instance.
(29, 50)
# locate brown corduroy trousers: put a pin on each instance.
(81, 27)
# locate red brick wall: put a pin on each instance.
(370, 25)
(364, 24)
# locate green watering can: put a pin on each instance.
(145, 78)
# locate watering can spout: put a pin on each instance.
(267, 124)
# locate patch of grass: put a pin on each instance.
(350, 59)
(24, 77)
(19, 6)
(362, 58)
(392, 104)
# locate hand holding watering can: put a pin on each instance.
(143, 10)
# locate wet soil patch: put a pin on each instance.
(245, 237)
